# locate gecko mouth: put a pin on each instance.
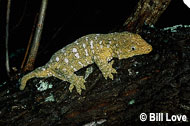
(148, 49)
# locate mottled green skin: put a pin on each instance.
(93, 48)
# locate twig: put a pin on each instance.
(37, 36)
(29, 43)
(7, 38)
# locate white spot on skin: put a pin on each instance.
(68, 76)
(77, 55)
(63, 50)
(74, 69)
(49, 74)
(91, 44)
(117, 53)
(66, 60)
(84, 45)
(109, 58)
(74, 50)
(80, 63)
(86, 38)
(57, 59)
(76, 42)
(87, 61)
(86, 52)
(100, 42)
(108, 45)
(93, 51)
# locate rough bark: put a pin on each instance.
(147, 12)
(158, 82)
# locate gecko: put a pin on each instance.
(93, 48)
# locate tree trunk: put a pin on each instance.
(147, 12)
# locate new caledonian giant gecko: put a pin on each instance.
(89, 49)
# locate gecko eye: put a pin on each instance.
(133, 48)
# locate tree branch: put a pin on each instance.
(147, 12)
(7, 38)
(37, 36)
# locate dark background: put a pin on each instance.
(68, 20)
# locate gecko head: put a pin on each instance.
(133, 45)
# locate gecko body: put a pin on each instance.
(92, 48)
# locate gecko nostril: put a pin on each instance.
(149, 49)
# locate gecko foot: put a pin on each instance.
(78, 84)
(108, 71)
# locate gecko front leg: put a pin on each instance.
(75, 81)
(101, 59)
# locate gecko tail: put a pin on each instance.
(25, 79)
(39, 72)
